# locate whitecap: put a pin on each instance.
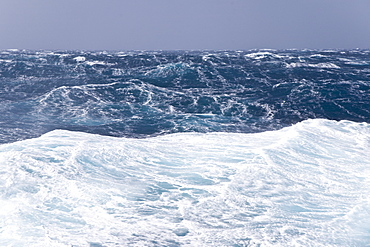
(318, 65)
(304, 185)
(79, 59)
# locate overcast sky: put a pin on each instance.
(184, 24)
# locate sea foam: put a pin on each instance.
(304, 185)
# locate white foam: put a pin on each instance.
(318, 65)
(5, 61)
(262, 55)
(306, 185)
(79, 59)
(318, 55)
(258, 55)
(92, 63)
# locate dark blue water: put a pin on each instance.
(142, 94)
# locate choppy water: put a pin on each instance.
(228, 148)
(140, 94)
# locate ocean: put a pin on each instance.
(185, 148)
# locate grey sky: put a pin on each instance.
(184, 24)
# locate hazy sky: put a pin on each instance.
(184, 24)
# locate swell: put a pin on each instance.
(304, 185)
(142, 94)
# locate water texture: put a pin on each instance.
(305, 185)
(141, 94)
(185, 148)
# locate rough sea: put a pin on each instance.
(185, 148)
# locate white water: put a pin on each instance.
(306, 185)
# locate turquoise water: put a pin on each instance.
(304, 185)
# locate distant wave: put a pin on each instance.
(143, 94)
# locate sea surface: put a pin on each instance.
(185, 148)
